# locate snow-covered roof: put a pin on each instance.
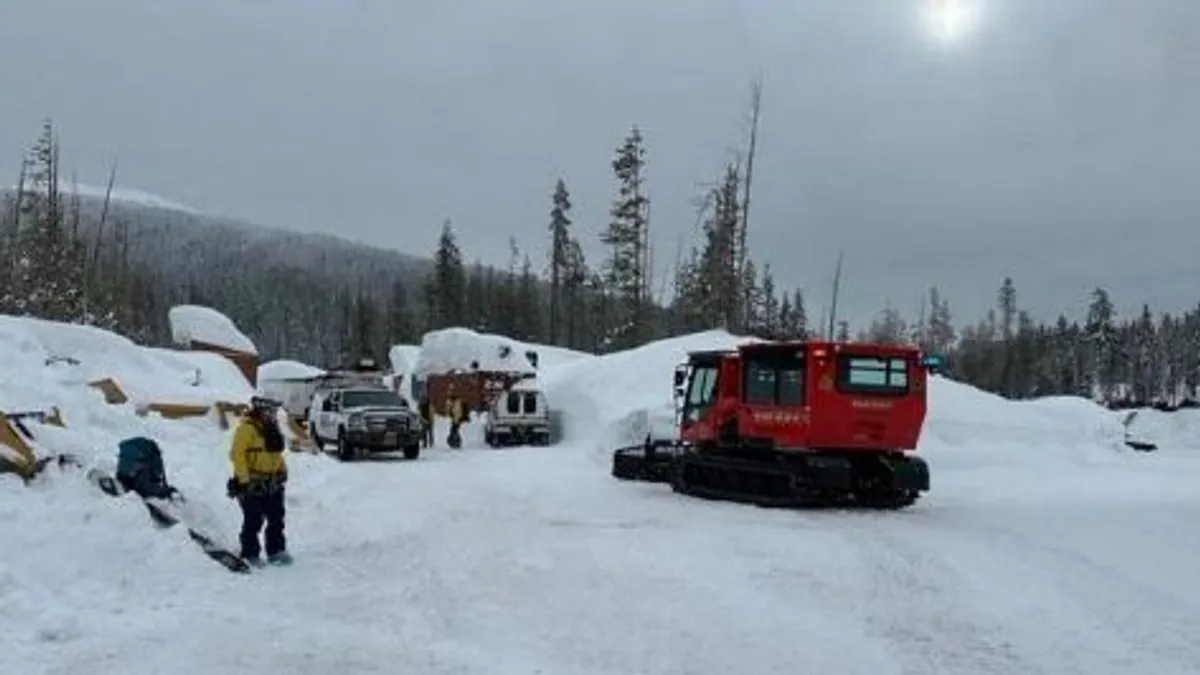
(527, 384)
(285, 369)
(457, 348)
(195, 323)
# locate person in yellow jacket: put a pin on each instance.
(259, 475)
(456, 410)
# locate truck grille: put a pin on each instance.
(386, 423)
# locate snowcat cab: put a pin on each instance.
(794, 423)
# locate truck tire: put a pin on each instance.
(345, 452)
(412, 451)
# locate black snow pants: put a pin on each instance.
(258, 508)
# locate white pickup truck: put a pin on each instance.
(367, 419)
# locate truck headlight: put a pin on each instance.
(355, 422)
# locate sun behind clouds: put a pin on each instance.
(950, 23)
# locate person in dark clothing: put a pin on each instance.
(259, 475)
(426, 411)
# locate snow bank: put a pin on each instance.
(51, 364)
(285, 369)
(618, 398)
(1172, 432)
(203, 324)
(457, 348)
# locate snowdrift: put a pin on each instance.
(618, 398)
(51, 364)
(458, 348)
(194, 323)
(1173, 431)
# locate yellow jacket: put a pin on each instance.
(251, 460)
(455, 409)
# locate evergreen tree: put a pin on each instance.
(626, 236)
(449, 280)
(560, 245)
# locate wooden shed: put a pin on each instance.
(246, 362)
(475, 388)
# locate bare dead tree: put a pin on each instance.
(755, 107)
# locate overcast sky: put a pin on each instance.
(1059, 141)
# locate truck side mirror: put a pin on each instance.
(680, 376)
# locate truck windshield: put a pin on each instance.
(867, 375)
(775, 379)
(354, 399)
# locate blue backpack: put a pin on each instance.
(140, 467)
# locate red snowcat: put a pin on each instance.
(796, 424)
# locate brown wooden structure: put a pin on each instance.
(246, 362)
(475, 388)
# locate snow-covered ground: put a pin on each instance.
(1044, 547)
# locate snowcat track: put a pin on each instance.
(803, 482)
(635, 463)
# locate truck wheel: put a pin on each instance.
(345, 451)
(412, 451)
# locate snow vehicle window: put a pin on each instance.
(760, 383)
(704, 386)
(872, 375)
(774, 381)
(354, 399)
(513, 403)
(530, 399)
(701, 392)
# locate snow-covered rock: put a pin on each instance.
(196, 323)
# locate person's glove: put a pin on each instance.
(233, 489)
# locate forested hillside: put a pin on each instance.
(326, 301)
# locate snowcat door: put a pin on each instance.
(700, 396)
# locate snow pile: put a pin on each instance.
(1171, 431)
(458, 348)
(1016, 431)
(618, 398)
(194, 323)
(51, 363)
(286, 369)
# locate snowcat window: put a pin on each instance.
(702, 392)
(513, 403)
(873, 375)
(530, 400)
(774, 381)
(383, 397)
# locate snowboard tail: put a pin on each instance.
(165, 513)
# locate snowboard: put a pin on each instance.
(166, 513)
